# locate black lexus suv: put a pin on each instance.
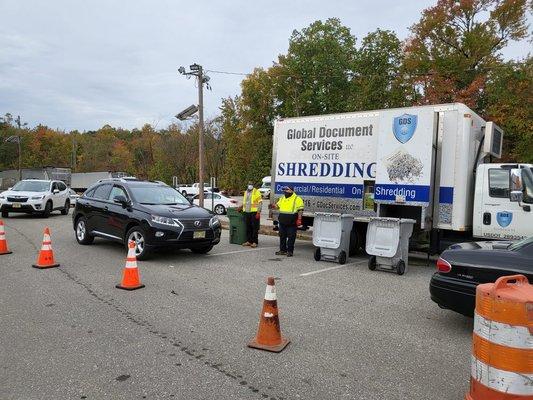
(151, 214)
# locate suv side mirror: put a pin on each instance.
(121, 200)
(55, 191)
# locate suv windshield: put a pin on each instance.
(157, 195)
(520, 244)
(31, 186)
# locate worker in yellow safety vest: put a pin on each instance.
(251, 207)
(291, 207)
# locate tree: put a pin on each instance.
(457, 43)
(378, 79)
(315, 76)
(509, 102)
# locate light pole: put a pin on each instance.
(197, 71)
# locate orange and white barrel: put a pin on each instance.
(502, 342)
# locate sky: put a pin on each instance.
(73, 64)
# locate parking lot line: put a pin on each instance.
(241, 251)
(318, 271)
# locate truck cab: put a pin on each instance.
(503, 201)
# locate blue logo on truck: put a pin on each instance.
(504, 218)
(404, 127)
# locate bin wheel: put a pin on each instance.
(342, 257)
(400, 267)
(372, 263)
(318, 256)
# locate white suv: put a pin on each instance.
(35, 196)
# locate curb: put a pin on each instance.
(269, 231)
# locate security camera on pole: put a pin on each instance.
(197, 71)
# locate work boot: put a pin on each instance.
(281, 253)
(289, 254)
(254, 245)
(246, 244)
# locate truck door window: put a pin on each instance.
(499, 184)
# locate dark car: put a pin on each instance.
(463, 266)
(152, 214)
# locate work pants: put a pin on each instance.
(252, 227)
(287, 237)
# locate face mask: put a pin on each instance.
(287, 194)
(250, 187)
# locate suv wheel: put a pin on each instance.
(139, 237)
(82, 236)
(47, 209)
(66, 209)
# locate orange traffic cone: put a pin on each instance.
(3, 242)
(46, 254)
(269, 333)
(130, 277)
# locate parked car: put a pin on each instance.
(216, 202)
(150, 213)
(193, 190)
(73, 196)
(265, 188)
(35, 196)
(463, 266)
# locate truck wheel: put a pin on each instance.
(66, 209)
(318, 256)
(372, 263)
(342, 257)
(47, 209)
(400, 267)
(5, 214)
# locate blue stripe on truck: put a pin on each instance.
(323, 189)
(446, 195)
(418, 193)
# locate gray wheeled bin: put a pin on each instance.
(331, 236)
(387, 241)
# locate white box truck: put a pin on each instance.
(429, 163)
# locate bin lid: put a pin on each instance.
(327, 230)
(383, 236)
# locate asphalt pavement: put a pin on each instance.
(68, 333)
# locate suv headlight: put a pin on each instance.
(2, 197)
(214, 222)
(163, 220)
(37, 197)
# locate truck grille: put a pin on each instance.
(17, 199)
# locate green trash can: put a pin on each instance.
(237, 226)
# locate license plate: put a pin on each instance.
(16, 205)
(198, 235)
